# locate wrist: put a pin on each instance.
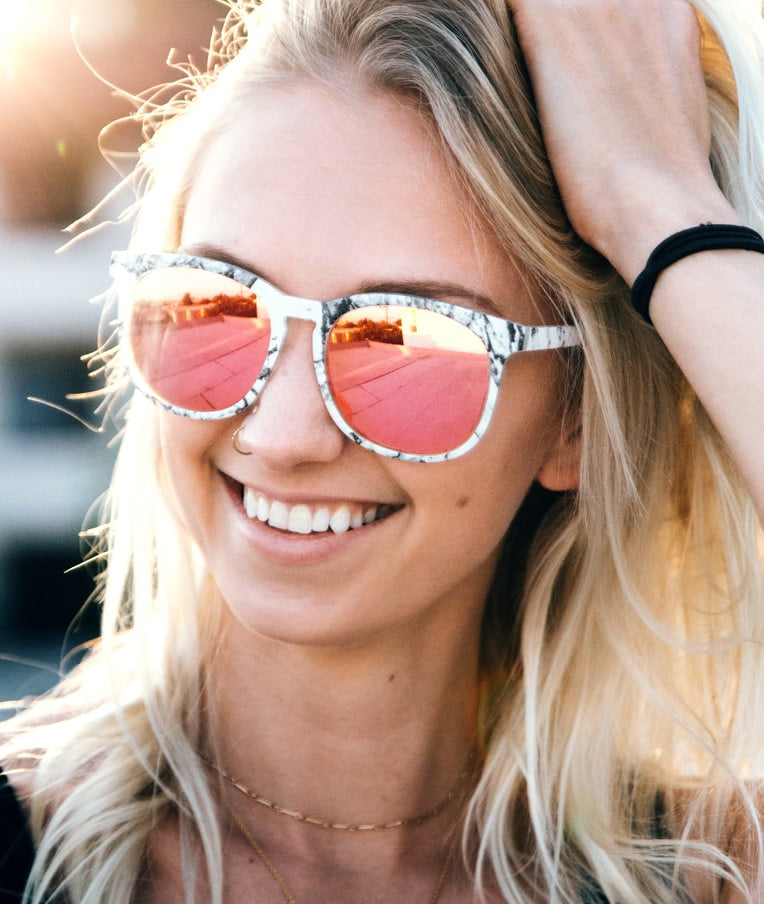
(644, 219)
(685, 243)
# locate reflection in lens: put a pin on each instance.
(198, 339)
(409, 379)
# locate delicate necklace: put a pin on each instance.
(282, 883)
(466, 773)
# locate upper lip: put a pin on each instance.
(292, 497)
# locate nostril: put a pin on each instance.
(290, 423)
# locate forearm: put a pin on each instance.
(709, 310)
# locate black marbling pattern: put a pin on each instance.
(501, 338)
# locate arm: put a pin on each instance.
(620, 91)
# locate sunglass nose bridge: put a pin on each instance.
(291, 305)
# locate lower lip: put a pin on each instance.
(304, 549)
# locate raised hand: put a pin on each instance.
(620, 91)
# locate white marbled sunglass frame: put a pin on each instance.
(501, 339)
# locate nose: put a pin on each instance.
(290, 425)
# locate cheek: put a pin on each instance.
(488, 484)
(462, 509)
(481, 508)
(185, 447)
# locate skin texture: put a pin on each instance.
(372, 636)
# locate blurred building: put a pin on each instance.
(52, 109)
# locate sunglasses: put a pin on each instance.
(410, 378)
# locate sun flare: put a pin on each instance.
(18, 24)
(29, 27)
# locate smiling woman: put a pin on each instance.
(431, 567)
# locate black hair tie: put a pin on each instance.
(706, 237)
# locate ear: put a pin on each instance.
(561, 470)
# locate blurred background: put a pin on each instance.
(52, 468)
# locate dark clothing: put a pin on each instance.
(16, 848)
(17, 851)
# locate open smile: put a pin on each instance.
(304, 518)
(310, 517)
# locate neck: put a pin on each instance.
(363, 735)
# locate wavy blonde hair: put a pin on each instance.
(622, 658)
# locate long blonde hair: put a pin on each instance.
(623, 672)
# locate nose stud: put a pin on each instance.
(235, 441)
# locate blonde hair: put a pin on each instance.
(623, 671)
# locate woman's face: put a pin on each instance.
(325, 194)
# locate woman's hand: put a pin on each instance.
(620, 91)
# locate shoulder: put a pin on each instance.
(745, 821)
(161, 879)
(739, 825)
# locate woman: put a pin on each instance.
(472, 640)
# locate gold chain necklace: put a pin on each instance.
(466, 773)
(282, 883)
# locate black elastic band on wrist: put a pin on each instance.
(706, 237)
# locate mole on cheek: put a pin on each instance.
(462, 501)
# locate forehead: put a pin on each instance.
(323, 191)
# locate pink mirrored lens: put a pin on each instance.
(198, 339)
(412, 380)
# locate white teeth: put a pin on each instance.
(340, 520)
(321, 520)
(250, 503)
(279, 516)
(301, 519)
(263, 509)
